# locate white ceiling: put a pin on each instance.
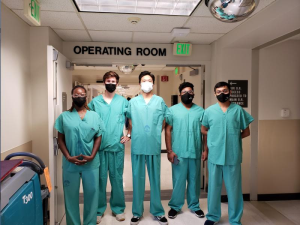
(62, 16)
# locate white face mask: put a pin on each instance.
(147, 86)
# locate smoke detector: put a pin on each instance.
(134, 20)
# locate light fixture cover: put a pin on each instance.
(126, 69)
(231, 10)
(150, 7)
(180, 32)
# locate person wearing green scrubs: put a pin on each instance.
(184, 148)
(79, 138)
(111, 108)
(225, 125)
(146, 114)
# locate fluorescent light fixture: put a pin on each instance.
(127, 69)
(149, 7)
(180, 32)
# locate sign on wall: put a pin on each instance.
(32, 11)
(239, 92)
(164, 78)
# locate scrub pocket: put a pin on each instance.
(156, 116)
(90, 135)
(120, 118)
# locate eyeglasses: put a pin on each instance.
(226, 91)
(80, 95)
(190, 92)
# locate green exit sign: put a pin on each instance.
(32, 11)
(182, 49)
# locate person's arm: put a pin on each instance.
(204, 130)
(163, 125)
(168, 138)
(245, 133)
(96, 146)
(125, 139)
(65, 152)
(205, 152)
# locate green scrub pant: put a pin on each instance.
(71, 185)
(233, 183)
(187, 171)
(138, 178)
(111, 163)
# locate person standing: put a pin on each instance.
(146, 114)
(111, 108)
(225, 125)
(79, 138)
(184, 148)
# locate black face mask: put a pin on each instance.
(110, 87)
(187, 98)
(223, 97)
(80, 101)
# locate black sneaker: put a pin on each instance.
(199, 213)
(135, 220)
(209, 222)
(172, 213)
(162, 220)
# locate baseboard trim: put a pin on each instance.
(278, 197)
(246, 197)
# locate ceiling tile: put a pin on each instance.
(209, 25)
(73, 35)
(119, 22)
(14, 4)
(201, 39)
(111, 36)
(58, 5)
(61, 20)
(202, 10)
(157, 38)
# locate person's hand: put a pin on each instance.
(76, 161)
(124, 139)
(204, 155)
(86, 158)
(171, 156)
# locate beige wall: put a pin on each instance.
(15, 82)
(279, 143)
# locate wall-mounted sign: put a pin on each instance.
(239, 92)
(176, 70)
(97, 50)
(164, 78)
(182, 49)
(32, 11)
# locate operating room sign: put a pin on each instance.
(125, 51)
(239, 92)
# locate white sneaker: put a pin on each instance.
(120, 217)
(99, 219)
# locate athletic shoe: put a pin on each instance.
(99, 219)
(209, 222)
(120, 217)
(199, 213)
(172, 213)
(135, 220)
(162, 220)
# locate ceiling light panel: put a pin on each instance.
(155, 7)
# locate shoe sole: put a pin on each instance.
(199, 216)
(161, 223)
(123, 219)
(134, 223)
(172, 217)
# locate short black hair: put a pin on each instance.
(145, 73)
(222, 84)
(78, 86)
(184, 85)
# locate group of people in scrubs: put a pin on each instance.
(92, 140)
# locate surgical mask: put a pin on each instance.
(80, 101)
(147, 86)
(223, 97)
(187, 98)
(110, 87)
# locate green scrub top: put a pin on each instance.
(79, 137)
(224, 135)
(113, 116)
(186, 130)
(147, 120)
